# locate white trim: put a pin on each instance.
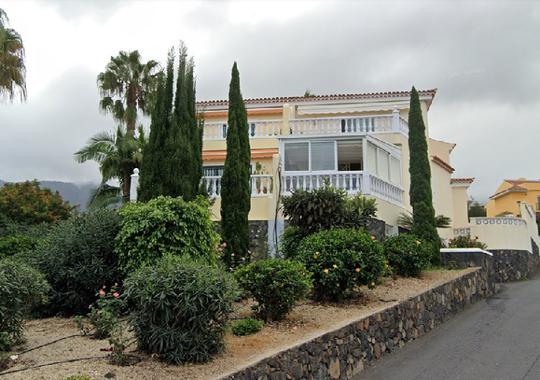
(465, 250)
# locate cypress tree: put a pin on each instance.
(424, 225)
(152, 182)
(196, 126)
(235, 182)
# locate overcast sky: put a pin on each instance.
(484, 58)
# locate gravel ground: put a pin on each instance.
(306, 321)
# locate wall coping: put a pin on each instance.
(466, 250)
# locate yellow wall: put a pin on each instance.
(509, 202)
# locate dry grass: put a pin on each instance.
(306, 321)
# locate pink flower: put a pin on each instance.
(116, 295)
(101, 293)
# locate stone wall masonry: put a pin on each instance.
(345, 352)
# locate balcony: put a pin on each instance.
(353, 182)
(337, 126)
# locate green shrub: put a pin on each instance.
(22, 288)
(275, 284)
(247, 326)
(466, 242)
(16, 244)
(291, 238)
(78, 377)
(180, 308)
(340, 260)
(407, 255)
(325, 208)
(104, 315)
(165, 226)
(78, 258)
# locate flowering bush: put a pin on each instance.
(276, 285)
(22, 288)
(105, 313)
(340, 260)
(165, 226)
(466, 242)
(407, 255)
(180, 308)
(77, 257)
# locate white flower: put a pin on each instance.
(14, 357)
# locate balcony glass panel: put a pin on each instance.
(323, 156)
(297, 156)
(350, 155)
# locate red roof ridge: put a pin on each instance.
(285, 99)
(439, 161)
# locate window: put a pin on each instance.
(382, 164)
(323, 156)
(395, 170)
(297, 156)
(350, 155)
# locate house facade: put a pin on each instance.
(509, 195)
(356, 142)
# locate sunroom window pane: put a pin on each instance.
(382, 164)
(372, 158)
(297, 156)
(322, 156)
(395, 171)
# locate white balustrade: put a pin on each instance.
(348, 125)
(353, 182)
(261, 185)
(256, 129)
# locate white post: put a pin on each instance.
(395, 120)
(134, 185)
(366, 182)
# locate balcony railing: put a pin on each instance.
(257, 129)
(261, 185)
(352, 181)
(350, 125)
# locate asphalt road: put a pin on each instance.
(497, 338)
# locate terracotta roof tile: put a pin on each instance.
(443, 164)
(330, 97)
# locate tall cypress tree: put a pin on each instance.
(152, 169)
(172, 163)
(424, 225)
(235, 182)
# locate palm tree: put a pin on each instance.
(117, 155)
(405, 220)
(12, 68)
(128, 86)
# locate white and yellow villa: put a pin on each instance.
(357, 142)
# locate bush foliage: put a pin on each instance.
(466, 242)
(275, 284)
(407, 255)
(180, 308)
(341, 259)
(22, 288)
(28, 203)
(16, 244)
(247, 326)
(290, 240)
(165, 226)
(78, 258)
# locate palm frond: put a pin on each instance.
(104, 196)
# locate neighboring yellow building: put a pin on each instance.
(358, 142)
(510, 194)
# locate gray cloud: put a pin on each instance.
(480, 55)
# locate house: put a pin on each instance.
(356, 142)
(512, 192)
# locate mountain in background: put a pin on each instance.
(76, 195)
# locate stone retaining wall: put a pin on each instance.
(343, 353)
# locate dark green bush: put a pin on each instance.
(407, 255)
(291, 238)
(165, 226)
(247, 326)
(22, 288)
(325, 208)
(340, 260)
(275, 284)
(466, 242)
(180, 308)
(78, 258)
(16, 244)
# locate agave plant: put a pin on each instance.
(405, 220)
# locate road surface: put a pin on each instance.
(496, 338)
